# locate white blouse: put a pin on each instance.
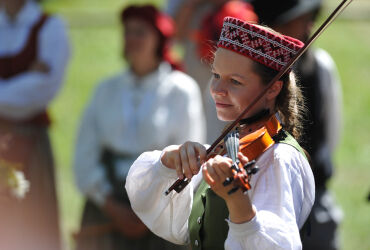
(130, 115)
(282, 192)
(28, 93)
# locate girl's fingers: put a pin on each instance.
(213, 173)
(202, 152)
(216, 170)
(178, 166)
(207, 178)
(243, 159)
(224, 168)
(192, 159)
(184, 162)
(185, 159)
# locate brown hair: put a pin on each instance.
(289, 103)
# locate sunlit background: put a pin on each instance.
(96, 45)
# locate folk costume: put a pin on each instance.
(33, 36)
(282, 191)
(128, 115)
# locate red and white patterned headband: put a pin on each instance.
(258, 43)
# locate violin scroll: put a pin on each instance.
(242, 177)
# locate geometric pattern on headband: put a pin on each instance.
(258, 43)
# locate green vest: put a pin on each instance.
(208, 228)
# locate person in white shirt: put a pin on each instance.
(34, 51)
(146, 107)
(205, 214)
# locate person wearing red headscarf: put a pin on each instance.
(144, 108)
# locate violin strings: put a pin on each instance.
(232, 145)
(236, 145)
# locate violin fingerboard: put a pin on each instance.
(232, 145)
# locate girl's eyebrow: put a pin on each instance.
(232, 75)
(237, 75)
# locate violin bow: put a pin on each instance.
(180, 184)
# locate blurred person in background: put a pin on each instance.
(34, 52)
(145, 107)
(319, 81)
(199, 24)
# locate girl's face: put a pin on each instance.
(141, 40)
(234, 85)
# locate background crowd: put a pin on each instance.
(122, 116)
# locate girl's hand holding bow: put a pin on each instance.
(186, 159)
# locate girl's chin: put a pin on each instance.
(225, 118)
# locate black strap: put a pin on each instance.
(260, 115)
(108, 159)
(280, 136)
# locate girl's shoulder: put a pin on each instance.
(288, 152)
(283, 157)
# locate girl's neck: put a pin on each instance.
(255, 122)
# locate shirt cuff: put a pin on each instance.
(163, 170)
(247, 228)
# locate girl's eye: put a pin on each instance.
(216, 76)
(235, 82)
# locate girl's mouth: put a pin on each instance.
(222, 105)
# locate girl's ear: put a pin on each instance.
(274, 91)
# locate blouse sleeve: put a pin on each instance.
(166, 216)
(25, 94)
(89, 173)
(282, 193)
(187, 107)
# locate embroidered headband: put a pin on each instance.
(259, 44)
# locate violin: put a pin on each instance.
(251, 144)
(181, 183)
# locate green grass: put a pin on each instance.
(348, 43)
(95, 39)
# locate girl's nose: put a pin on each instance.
(218, 87)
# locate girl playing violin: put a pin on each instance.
(205, 214)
